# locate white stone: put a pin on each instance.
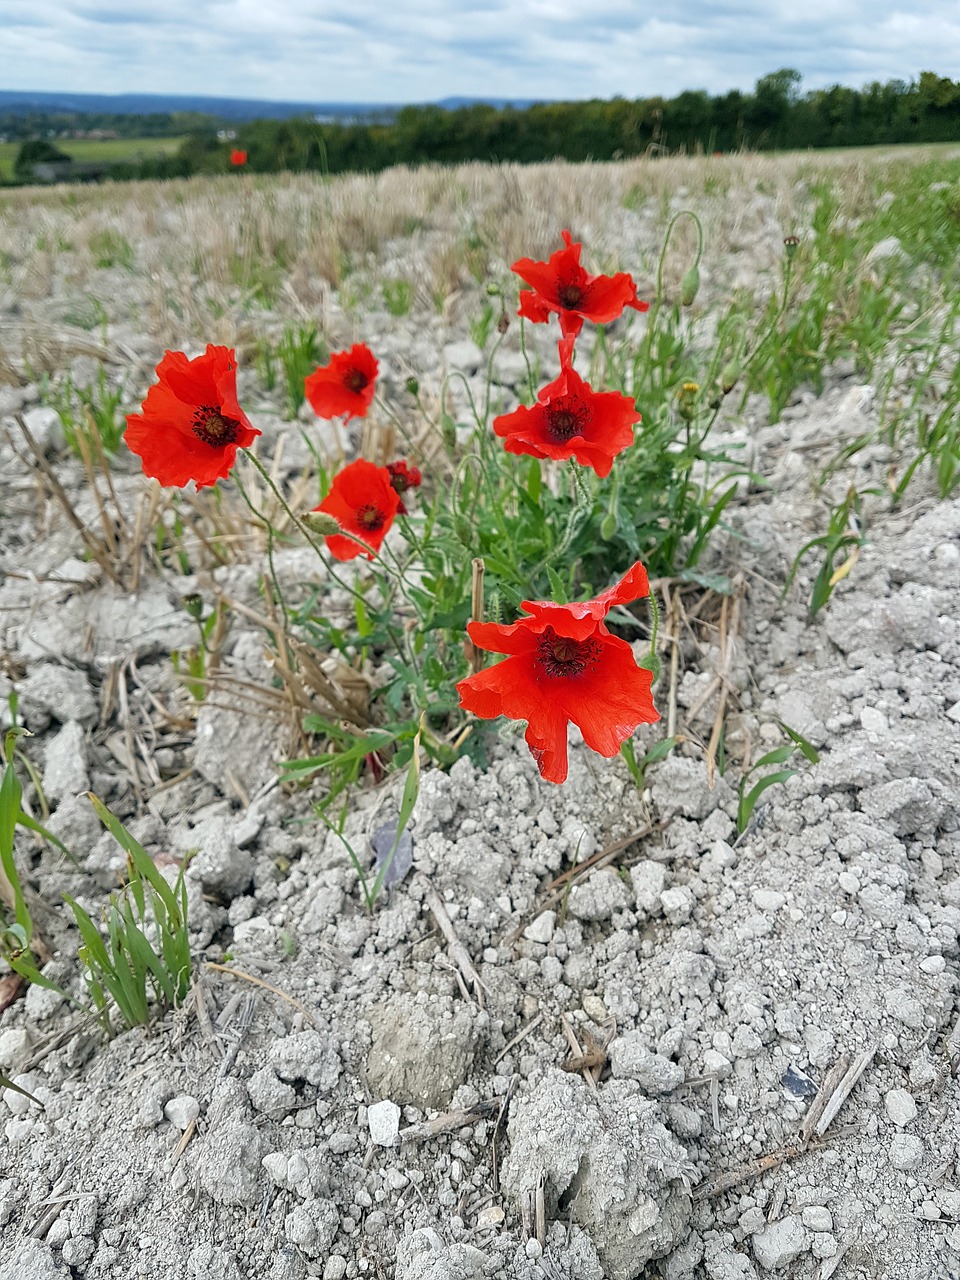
(14, 1044)
(384, 1121)
(906, 1151)
(182, 1111)
(649, 880)
(780, 1243)
(954, 712)
(677, 903)
(900, 1107)
(45, 426)
(541, 930)
(768, 900)
(873, 721)
(817, 1218)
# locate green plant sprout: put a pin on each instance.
(145, 958)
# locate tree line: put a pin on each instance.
(775, 116)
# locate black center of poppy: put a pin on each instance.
(355, 380)
(565, 419)
(214, 428)
(570, 295)
(370, 517)
(561, 656)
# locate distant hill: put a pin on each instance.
(233, 109)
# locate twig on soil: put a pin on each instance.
(559, 887)
(458, 952)
(520, 1036)
(726, 1181)
(729, 631)
(182, 1145)
(259, 982)
(672, 629)
(823, 1095)
(494, 1137)
(451, 1120)
(96, 546)
(844, 1089)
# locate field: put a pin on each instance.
(109, 150)
(690, 1014)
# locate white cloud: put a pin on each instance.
(422, 50)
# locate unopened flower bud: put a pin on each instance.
(503, 324)
(413, 387)
(687, 400)
(493, 290)
(690, 286)
(320, 522)
(791, 244)
(193, 604)
(729, 376)
(608, 526)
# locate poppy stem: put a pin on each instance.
(270, 536)
(298, 524)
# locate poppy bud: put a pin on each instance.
(608, 526)
(320, 522)
(729, 376)
(193, 604)
(412, 386)
(690, 286)
(791, 244)
(503, 324)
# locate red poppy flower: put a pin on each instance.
(571, 420)
(564, 665)
(191, 425)
(562, 285)
(365, 503)
(403, 477)
(238, 157)
(345, 385)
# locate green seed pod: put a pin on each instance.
(320, 522)
(690, 286)
(193, 604)
(413, 387)
(729, 376)
(791, 244)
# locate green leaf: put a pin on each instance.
(808, 749)
(779, 755)
(558, 592)
(748, 801)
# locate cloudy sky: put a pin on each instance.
(423, 50)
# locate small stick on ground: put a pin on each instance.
(458, 952)
(452, 1120)
(723, 1182)
(845, 1088)
(182, 1145)
(259, 982)
(494, 1138)
(831, 1082)
(588, 1072)
(520, 1036)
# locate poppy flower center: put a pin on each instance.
(559, 656)
(565, 419)
(370, 517)
(355, 380)
(214, 428)
(570, 295)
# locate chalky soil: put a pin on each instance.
(763, 1027)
